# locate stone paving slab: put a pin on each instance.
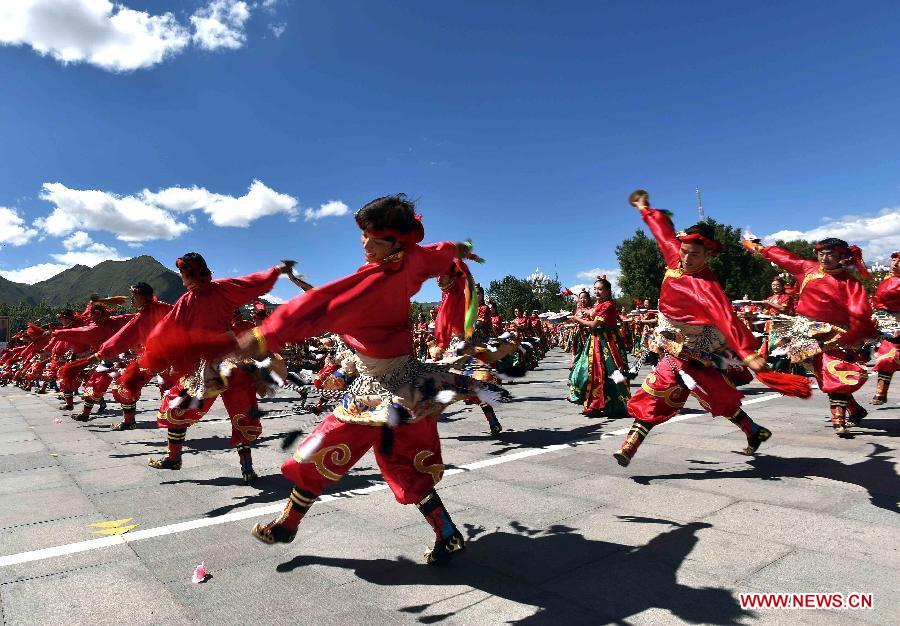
(566, 536)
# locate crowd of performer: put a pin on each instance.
(382, 380)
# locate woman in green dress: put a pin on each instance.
(596, 380)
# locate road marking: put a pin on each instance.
(116, 527)
(271, 509)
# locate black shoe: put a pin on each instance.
(165, 463)
(250, 477)
(496, 428)
(81, 417)
(123, 426)
(854, 420)
(101, 407)
(273, 532)
(444, 549)
(755, 440)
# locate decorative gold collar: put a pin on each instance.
(393, 258)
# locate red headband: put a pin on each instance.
(200, 270)
(839, 246)
(414, 236)
(710, 244)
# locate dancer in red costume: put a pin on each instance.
(887, 313)
(780, 302)
(102, 327)
(206, 310)
(697, 327)
(131, 336)
(833, 318)
(370, 309)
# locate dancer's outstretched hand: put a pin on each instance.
(757, 363)
(287, 267)
(640, 201)
(464, 251)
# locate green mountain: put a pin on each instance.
(14, 293)
(110, 278)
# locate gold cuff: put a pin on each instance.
(260, 340)
(750, 357)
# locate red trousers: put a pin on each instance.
(96, 385)
(411, 470)
(662, 396)
(887, 359)
(837, 372)
(240, 403)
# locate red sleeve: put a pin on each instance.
(661, 227)
(887, 297)
(127, 337)
(860, 312)
(605, 313)
(716, 308)
(239, 291)
(323, 309)
(83, 335)
(796, 265)
(431, 261)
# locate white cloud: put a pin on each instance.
(34, 273)
(877, 235)
(79, 239)
(98, 32)
(332, 208)
(612, 275)
(220, 24)
(80, 250)
(578, 287)
(278, 29)
(128, 217)
(272, 298)
(148, 215)
(12, 228)
(90, 257)
(225, 210)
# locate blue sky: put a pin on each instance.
(521, 125)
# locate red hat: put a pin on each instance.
(413, 236)
(710, 244)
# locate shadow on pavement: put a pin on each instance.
(272, 488)
(511, 440)
(643, 577)
(192, 446)
(876, 474)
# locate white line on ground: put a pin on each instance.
(270, 509)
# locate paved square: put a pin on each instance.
(557, 531)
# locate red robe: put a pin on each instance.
(832, 296)
(451, 316)
(695, 298)
(136, 331)
(370, 307)
(92, 335)
(887, 297)
(207, 309)
(784, 300)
